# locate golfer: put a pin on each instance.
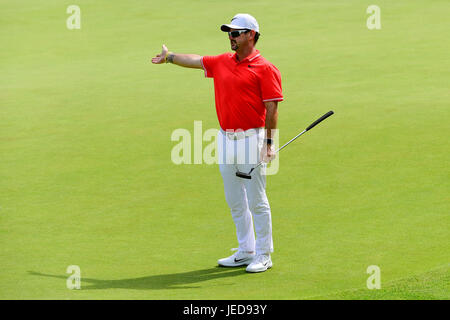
(247, 91)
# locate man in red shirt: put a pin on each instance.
(247, 90)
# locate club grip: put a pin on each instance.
(315, 123)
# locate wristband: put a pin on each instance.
(268, 141)
(167, 55)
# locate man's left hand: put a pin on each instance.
(268, 153)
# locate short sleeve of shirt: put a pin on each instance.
(271, 84)
(209, 63)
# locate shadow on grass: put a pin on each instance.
(156, 282)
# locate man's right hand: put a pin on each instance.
(161, 58)
(183, 60)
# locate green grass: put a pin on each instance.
(86, 177)
(432, 285)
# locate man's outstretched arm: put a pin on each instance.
(184, 60)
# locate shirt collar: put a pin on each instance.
(251, 57)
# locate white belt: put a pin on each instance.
(237, 135)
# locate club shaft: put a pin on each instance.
(312, 125)
(284, 145)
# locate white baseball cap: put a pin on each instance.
(241, 21)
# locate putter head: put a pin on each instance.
(244, 175)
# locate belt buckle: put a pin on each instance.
(239, 135)
(230, 135)
(235, 135)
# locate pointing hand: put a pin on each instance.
(161, 58)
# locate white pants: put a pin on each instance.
(246, 197)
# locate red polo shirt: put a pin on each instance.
(241, 88)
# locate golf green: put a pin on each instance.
(86, 176)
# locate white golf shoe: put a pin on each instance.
(261, 263)
(240, 258)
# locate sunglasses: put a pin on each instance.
(237, 33)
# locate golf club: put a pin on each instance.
(312, 125)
